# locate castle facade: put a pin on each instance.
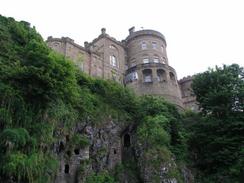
(139, 62)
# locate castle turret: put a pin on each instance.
(148, 69)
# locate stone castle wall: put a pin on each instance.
(140, 62)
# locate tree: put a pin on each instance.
(216, 139)
(220, 91)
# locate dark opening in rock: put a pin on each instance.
(61, 147)
(115, 152)
(68, 153)
(77, 151)
(67, 138)
(127, 140)
(66, 168)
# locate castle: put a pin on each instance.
(139, 62)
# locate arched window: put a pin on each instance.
(161, 75)
(147, 75)
(113, 61)
(127, 140)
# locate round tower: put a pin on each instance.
(148, 69)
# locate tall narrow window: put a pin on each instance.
(113, 61)
(154, 45)
(143, 45)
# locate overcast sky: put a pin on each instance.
(199, 33)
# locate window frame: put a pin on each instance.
(143, 45)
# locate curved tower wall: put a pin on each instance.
(148, 70)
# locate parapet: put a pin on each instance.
(186, 79)
(147, 32)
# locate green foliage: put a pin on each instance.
(14, 139)
(152, 133)
(161, 124)
(29, 168)
(220, 91)
(102, 177)
(80, 141)
(216, 135)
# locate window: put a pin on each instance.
(156, 60)
(132, 62)
(113, 61)
(127, 140)
(145, 60)
(172, 77)
(154, 45)
(143, 45)
(131, 77)
(147, 75)
(162, 49)
(161, 75)
(66, 169)
(163, 60)
(77, 151)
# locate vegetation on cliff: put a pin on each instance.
(41, 92)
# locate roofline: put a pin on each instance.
(146, 32)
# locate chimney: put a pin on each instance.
(103, 30)
(131, 30)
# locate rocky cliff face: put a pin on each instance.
(109, 146)
(102, 151)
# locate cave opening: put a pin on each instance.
(127, 140)
(77, 151)
(61, 147)
(66, 168)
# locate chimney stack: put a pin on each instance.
(131, 30)
(103, 30)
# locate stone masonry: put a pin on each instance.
(139, 62)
